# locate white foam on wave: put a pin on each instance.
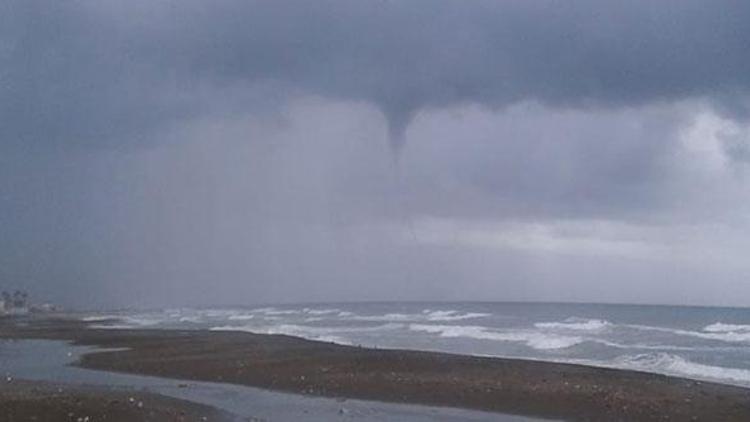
(97, 318)
(533, 339)
(720, 327)
(729, 337)
(740, 336)
(577, 324)
(729, 333)
(659, 347)
(191, 319)
(313, 311)
(282, 312)
(262, 310)
(130, 322)
(218, 313)
(386, 317)
(112, 326)
(670, 364)
(426, 315)
(275, 311)
(310, 311)
(451, 315)
(241, 317)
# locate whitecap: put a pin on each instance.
(274, 311)
(720, 327)
(128, 321)
(453, 315)
(426, 315)
(113, 326)
(241, 317)
(97, 318)
(725, 336)
(194, 320)
(533, 339)
(282, 312)
(262, 310)
(312, 311)
(676, 365)
(579, 324)
(387, 317)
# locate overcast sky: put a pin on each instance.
(234, 152)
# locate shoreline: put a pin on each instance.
(291, 364)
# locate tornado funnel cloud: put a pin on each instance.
(398, 122)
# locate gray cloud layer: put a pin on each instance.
(103, 72)
(159, 152)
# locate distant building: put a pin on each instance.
(15, 304)
(18, 310)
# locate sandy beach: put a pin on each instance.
(22, 400)
(560, 391)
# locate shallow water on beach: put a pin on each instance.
(696, 342)
(45, 360)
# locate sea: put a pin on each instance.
(704, 343)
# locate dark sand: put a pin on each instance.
(564, 391)
(36, 401)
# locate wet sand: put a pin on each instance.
(39, 401)
(562, 391)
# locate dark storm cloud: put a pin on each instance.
(538, 162)
(108, 72)
(267, 176)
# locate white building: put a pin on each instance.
(17, 310)
(16, 305)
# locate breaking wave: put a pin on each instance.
(452, 315)
(426, 315)
(533, 339)
(191, 319)
(719, 327)
(312, 311)
(124, 322)
(281, 312)
(98, 318)
(675, 365)
(578, 324)
(215, 313)
(718, 331)
(241, 317)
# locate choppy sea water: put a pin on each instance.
(696, 342)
